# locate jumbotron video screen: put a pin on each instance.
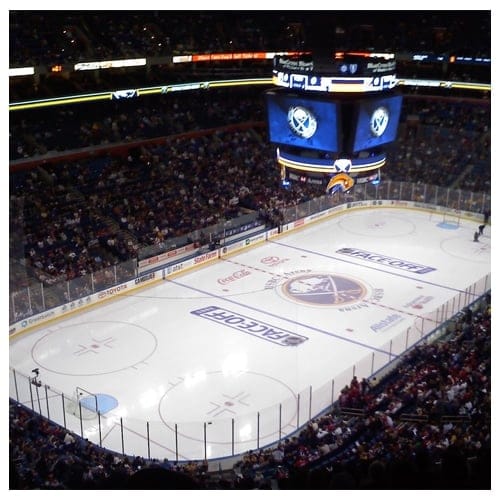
(376, 122)
(303, 122)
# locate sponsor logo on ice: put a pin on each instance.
(405, 265)
(387, 322)
(419, 302)
(324, 289)
(251, 326)
(273, 261)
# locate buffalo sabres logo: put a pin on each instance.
(124, 94)
(324, 289)
(302, 122)
(379, 121)
(341, 181)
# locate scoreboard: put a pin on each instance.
(332, 115)
(302, 121)
(375, 122)
(334, 126)
(345, 72)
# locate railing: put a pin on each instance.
(230, 437)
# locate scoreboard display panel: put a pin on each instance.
(303, 122)
(375, 122)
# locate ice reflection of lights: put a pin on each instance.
(150, 398)
(121, 412)
(235, 364)
(245, 432)
(48, 353)
(91, 432)
(193, 379)
(112, 420)
(143, 314)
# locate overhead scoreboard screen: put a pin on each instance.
(303, 122)
(375, 122)
(350, 72)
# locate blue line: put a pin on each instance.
(280, 317)
(368, 267)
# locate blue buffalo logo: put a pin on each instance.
(324, 289)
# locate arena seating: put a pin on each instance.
(427, 424)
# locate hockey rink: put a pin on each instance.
(242, 352)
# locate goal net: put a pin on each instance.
(451, 219)
(84, 404)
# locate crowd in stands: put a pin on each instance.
(57, 37)
(51, 37)
(424, 425)
(62, 229)
(38, 132)
(443, 143)
(47, 38)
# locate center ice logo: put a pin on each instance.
(324, 289)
